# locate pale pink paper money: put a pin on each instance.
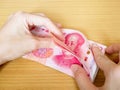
(61, 60)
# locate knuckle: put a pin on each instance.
(19, 13)
(47, 19)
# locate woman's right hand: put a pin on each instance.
(110, 69)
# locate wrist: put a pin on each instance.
(4, 51)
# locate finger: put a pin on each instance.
(40, 14)
(43, 42)
(82, 79)
(119, 58)
(102, 60)
(115, 48)
(119, 55)
(58, 25)
(116, 60)
(43, 15)
(37, 42)
(44, 21)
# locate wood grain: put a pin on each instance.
(98, 20)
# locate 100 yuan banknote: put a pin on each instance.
(60, 59)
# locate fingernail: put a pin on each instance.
(74, 68)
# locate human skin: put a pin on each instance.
(111, 70)
(16, 38)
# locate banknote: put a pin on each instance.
(61, 59)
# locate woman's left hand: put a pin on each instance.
(15, 36)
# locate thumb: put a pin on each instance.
(102, 60)
(82, 79)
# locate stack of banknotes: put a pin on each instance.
(61, 59)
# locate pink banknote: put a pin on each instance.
(60, 59)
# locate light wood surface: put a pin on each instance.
(99, 20)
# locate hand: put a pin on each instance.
(110, 69)
(15, 36)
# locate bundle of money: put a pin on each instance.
(61, 59)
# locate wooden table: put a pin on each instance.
(99, 20)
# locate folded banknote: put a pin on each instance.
(61, 59)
